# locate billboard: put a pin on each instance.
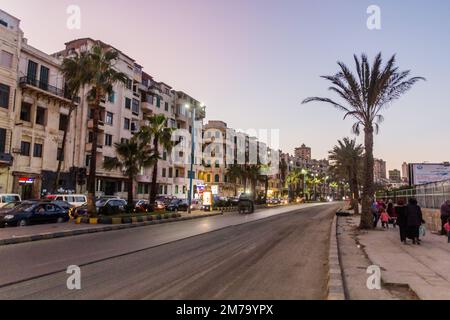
(422, 173)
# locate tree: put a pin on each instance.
(159, 136)
(101, 76)
(253, 173)
(347, 158)
(74, 71)
(130, 158)
(235, 173)
(292, 180)
(365, 96)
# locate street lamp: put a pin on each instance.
(192, 157)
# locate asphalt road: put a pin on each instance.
(279, 257)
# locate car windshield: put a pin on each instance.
(10, 205)
(175, 201)
(27, 207)
(101, 202)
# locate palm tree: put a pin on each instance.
(235, 173)
(347, 158)
(159, 136)
(74, 72)
(293, 179)
(253, 174)
(365, 96)
(101, 76)
(130, 158)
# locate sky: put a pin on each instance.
(252, 62)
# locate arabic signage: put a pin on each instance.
(426, 173)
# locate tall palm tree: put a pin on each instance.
(253, 173)
(159, 136)
(102, 76)
(365, 96)
(292, 181)
(347, 158)
(130, 158)
(74, 71)
(234, 174)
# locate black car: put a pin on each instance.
(108, 207)
(8, 207)
(29, 213)
(177, 205)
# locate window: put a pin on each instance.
(170, 172)
(60, 155)
(108, 140)
(112, 97)
(25, 112)
(127, 103)
(6, 59)
(176, 189)
(164, 157)
(177, 173)
(5, 24)
(126, 124)
(37, 151)
(134, 127)
(166, 106)
(25, 148)
(63, 121)
(165, 189)
(2, 140)
(216, 178)
(217, 164)
(124, 140)
(88, 160)
(129, 84)
(164, 172)
(43, 80)
(90, 137)
(4, 96)
(158, 102)
(208, 178)
(109, 118)
(32, 70)
(135, 106)
(40, 116)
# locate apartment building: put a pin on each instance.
(379, 171)
(11, 37)
(303, 152)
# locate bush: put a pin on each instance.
(166, 216)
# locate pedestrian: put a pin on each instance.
(447, 229)
(414, 220)
(375, 213)
(401, 220)
(445, 214)
(392, 214)
(384, 219)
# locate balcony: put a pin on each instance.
(46, 90)
(146, 107)
(5, 159)
(101, 125)
(143, 178)
(89, 148)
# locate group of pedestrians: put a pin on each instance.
(408, 217)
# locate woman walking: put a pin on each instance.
(414, 220)
(401, 220)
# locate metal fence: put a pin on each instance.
(430, 195)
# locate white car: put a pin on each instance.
(76, 200)
(7, 198)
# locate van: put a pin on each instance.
(76, 200)
(7, 198)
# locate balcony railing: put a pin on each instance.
(46, 87)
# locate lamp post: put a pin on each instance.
(192, 158)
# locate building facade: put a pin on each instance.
(303, 152)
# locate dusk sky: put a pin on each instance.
(253, 62)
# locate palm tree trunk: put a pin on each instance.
(154, 186)
(130, 191)
(266, 189)
(368, 189)
(63, 148)
(355, 190)
(93, 163)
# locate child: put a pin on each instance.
(384, 218)
(447, 228)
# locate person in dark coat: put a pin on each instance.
(445, 214)
(401, 220)
(413, 220)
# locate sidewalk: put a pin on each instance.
(425, 268)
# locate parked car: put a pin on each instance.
(104, 198)
(111, 206)
(75, 200)
(143, 206)
(29, 213)
(196, 204)
(178, 205)
(9, 206)
(7, 198)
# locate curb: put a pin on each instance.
(111, 227)
(335, 288)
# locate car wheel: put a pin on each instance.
(22, 223)
(60, 220)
